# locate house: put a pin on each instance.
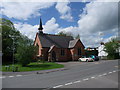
(56, 47)
(101, 53)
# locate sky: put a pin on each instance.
(93, 21)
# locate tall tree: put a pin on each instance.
(14, 44)
(8, 32)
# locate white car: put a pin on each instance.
(86, 59)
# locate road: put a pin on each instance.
(101, 74)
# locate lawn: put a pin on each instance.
(33, 66)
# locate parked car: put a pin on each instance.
(86, 59)
(96, 58)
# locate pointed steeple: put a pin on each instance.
(40, 26)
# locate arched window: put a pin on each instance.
(79, 51)
(37, 49)
(62, 52)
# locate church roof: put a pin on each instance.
(47, 40)
(72, 43)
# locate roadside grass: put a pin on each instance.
(34, 66)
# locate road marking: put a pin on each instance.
(3, 77)
(92, 77)
(77, 81)
(116, 66)
(46, 89)
(68, 83)
(11, 76)
(110, 72)
(58, 86)
(114, 71)
(18, 75)
(105, 74)
(86, 79)
(100, 75)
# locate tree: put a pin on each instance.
(8, 31)
(61, 34)
(78, 36)
(25, 51)
(112, 48)
(65, 34)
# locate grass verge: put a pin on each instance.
(32, 67)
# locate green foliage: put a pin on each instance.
(34, 66)
(77, 37)
(8, 31)
(14, 42)
(25, 51)
(69, 34)
(65, 34)
(112, 48)
(61, 34)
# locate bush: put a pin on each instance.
(25, 51)
(111, 48)
(25, 54)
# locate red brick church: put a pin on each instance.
(56, 47)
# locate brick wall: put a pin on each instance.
(74, 51)
(70, 54)
(37, 41)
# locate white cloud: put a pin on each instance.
(51, 26)
(64, 10)
(24, 10)
(97, 23)
(30, 30)
(27, 29)
(98, 17)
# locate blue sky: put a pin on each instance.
(76, 9)
(93, 21)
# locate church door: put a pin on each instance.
(53, 56)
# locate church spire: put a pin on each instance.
(40, 26)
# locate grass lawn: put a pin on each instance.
(34, 66)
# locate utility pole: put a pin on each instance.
(13, 38)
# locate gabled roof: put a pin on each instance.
(72, 43)
(47, 40)
(51, 48)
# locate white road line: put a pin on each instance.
(58, 86)
(86, 79)
(3, 77)
(10, 76)
(114, 71)
(92, 77)
(77, 81)
(18, 75)
(68, 83)
(100, 75)
(105, 74)
(110, 72)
